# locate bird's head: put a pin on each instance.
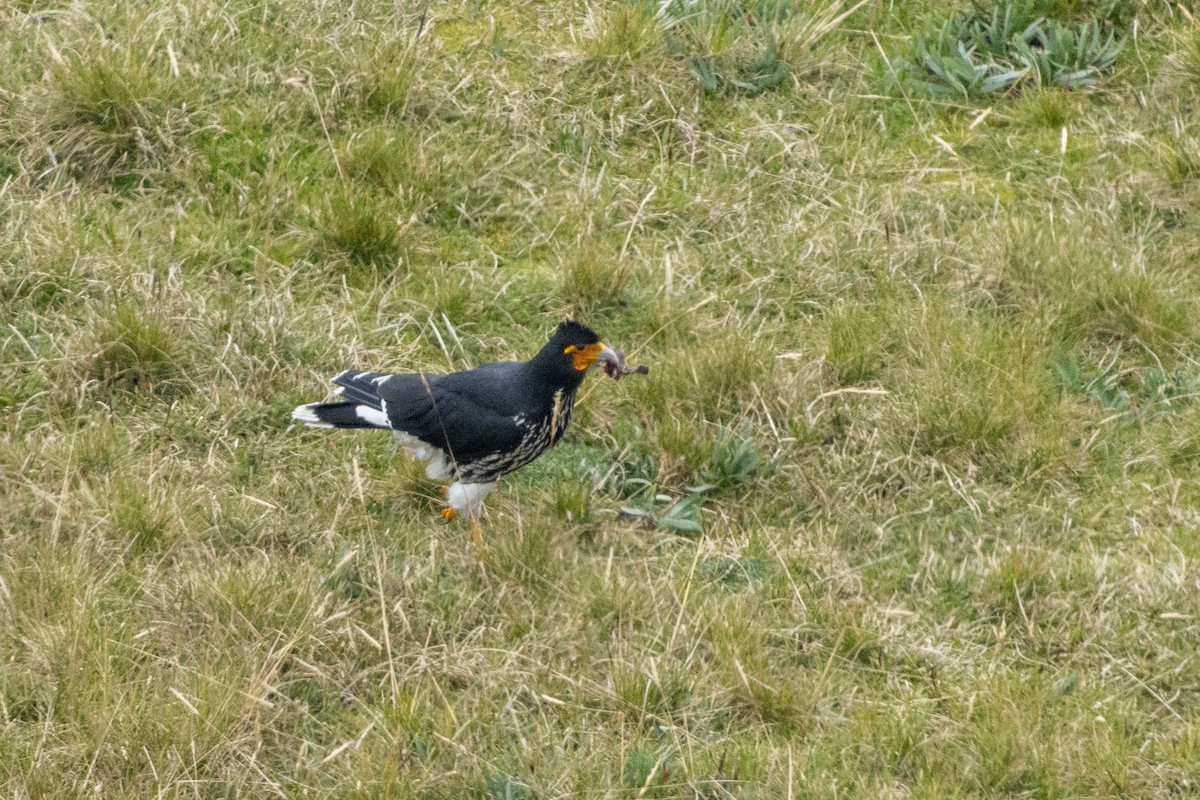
(571, 350)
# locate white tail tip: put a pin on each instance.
(309, 417)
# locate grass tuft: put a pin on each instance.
(627, 30)
(362, 228)
(387, 159)
(979, 389)
(111, 113)
(593, 280)
(1093, 292)
(1180, 161)
(1189, 54)
(138, 516)
(1048, 107)
(862, 337)
(391, 77)
(138, 349)
(712, 382)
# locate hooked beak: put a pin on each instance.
(608, 356)
(610, 361)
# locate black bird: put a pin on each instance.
(476, 425)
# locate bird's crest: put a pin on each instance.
(576, 332)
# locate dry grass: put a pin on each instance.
(905, 507)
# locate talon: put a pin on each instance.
(449, 514)
(444, 491)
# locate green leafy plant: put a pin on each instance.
(947, 66)
(733, 461)
(1133, 390)
(503, 787)
(753, 75)
(993, 35)
(980, 54)
(725, 49)
(646, 773)
(1059, 55)
(729, 46)
(679, 514)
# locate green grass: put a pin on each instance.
(904, 508)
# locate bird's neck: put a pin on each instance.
(545, 358)
(546, 367)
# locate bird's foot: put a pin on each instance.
(449, 514)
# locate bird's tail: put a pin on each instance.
(340, 415)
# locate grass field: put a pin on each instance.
(907, 506)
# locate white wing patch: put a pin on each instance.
(372, 416)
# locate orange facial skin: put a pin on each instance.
(585, 356)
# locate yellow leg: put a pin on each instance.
(449, 515)
(477, 533)
(477, 539)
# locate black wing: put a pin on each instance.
(468, 414)
(360, 387)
